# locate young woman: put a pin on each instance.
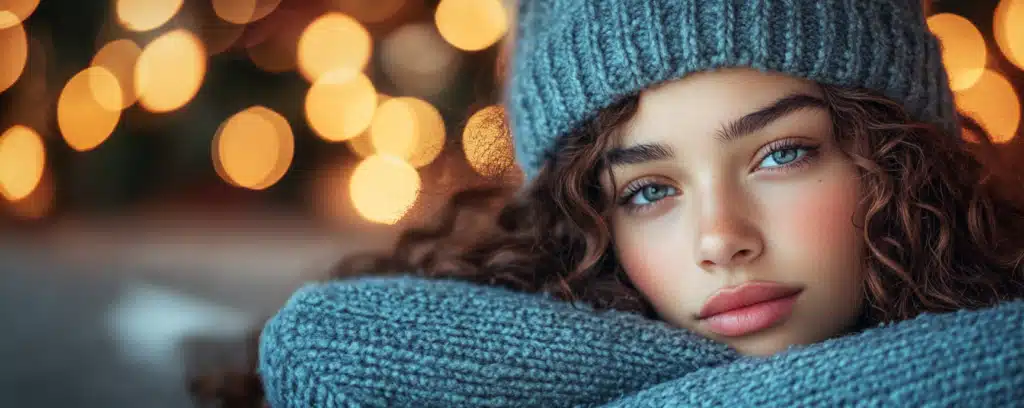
(753, 177)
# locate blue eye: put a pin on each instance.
(782, 157)
(651, 194)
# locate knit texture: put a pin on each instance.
(404, 341)
(573, 58)
(411, 342)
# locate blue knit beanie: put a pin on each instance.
(573, 58)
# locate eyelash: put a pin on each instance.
(635, 187)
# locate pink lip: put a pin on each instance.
(747, 308)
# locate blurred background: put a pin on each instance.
(171, 170)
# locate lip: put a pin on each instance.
(748, 308)
(747, 294)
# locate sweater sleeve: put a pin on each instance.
(964, 358)
(405, 341)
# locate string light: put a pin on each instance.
(89, 108)
(119, 58)
(994, 103)
(486, 142)
(1008, 30)
(244, 11)
(471, 25)
(254, 148)
(340, 106)
(145, 15)
(22, 159)
(963, 49)
(383, 188)
(169, 71)
(333, 43)
(14, 48)
(14, 12)
(408, 128)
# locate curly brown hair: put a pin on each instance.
(943, 225)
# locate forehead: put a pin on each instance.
(702, 103)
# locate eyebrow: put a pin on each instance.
(748, 124)
(753, 122)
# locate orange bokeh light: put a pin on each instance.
(963, 49)
(994, 104)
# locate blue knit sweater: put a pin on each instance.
(406, 341)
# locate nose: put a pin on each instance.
(727, 238)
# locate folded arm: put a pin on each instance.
(413, 342)
(964, 358)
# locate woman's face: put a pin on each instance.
(729, 177)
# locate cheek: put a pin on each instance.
(652, 255)
(822, 218)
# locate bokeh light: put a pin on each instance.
(37, 204)
(471, 25)
(994, 103)
(362, 145)
(486, 142)
(369, 11)
(14, 12)
(1008, 30)
(334, 42)
(119, 58)
(254, 148)
(14, 48)
(383, 188)
(963, 49)
(22, 160)
(169, 71)
(408, 128)
(145, 15)
(216, 35)
(339, 106)
(244, 11)
(272, 44)
(89, 108)
(418, 60)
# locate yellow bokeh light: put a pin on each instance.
(339, 107)
(244, 11)
(1008, 30)
(333, 42)
(119, 58)
(471, 25)
(22, 160)
(994, 104)
(370, 11)
(409, 128)
(963, 48)
(145, 15)
(383, 188)
(14, 12)
(254, 148)
(362, 145)
(37, 204)
(88, 108)
(14, 48)
(486, 142)
(169, 71)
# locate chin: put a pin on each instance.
(765, 343)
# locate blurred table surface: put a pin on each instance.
(97, 312)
